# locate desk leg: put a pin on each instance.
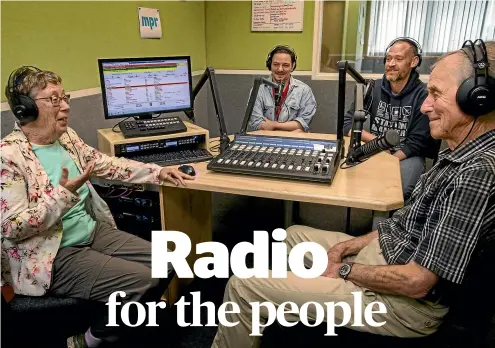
(288, 214)
(187, 211)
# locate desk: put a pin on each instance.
(374, 184)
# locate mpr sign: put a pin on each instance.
(150, 25)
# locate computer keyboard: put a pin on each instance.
(175, 157)
(156, 126)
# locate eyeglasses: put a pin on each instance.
(56, 100)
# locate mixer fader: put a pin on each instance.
(280, 157)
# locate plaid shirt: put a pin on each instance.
(451, 209)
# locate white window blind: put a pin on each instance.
(439, 26)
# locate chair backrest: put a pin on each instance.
(472, 304)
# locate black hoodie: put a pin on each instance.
(402, 113)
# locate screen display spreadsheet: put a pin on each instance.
(143, 86)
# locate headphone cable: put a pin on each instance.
(463, 140)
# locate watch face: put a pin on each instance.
(344, 269)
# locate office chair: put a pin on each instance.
(46, 320)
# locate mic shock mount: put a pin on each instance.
(358, 120)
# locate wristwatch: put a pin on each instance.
(345, 269)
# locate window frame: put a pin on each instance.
(316, 74)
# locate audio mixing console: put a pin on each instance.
(280, 157)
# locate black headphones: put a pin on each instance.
(278, 49)
(476, 94)
(23, 107)
(412, 42)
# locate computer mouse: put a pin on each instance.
(187, 169)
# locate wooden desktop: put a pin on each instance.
(374, 184)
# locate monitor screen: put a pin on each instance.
(145, 86)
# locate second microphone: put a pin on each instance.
(384, 142)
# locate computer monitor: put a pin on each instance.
(141, 87)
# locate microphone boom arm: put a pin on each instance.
(344, 69)
(209, 73)
(258, 81)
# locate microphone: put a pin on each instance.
(278, 93)
(358, 118)
(381, 143)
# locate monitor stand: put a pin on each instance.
(143, 117)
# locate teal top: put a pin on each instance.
(77, 223)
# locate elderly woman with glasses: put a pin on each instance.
(58, 235)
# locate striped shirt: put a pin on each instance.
(452, 209)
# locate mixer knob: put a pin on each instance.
(316, 167)
(327, 160)
(324, 169)
(320, 159)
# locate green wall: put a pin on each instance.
(69, 37)
(352, 27)
(230, 44)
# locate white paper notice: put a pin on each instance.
(150, 25)
(277, 15)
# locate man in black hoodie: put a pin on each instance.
(396, 103)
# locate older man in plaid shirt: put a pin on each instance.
(425, 245)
